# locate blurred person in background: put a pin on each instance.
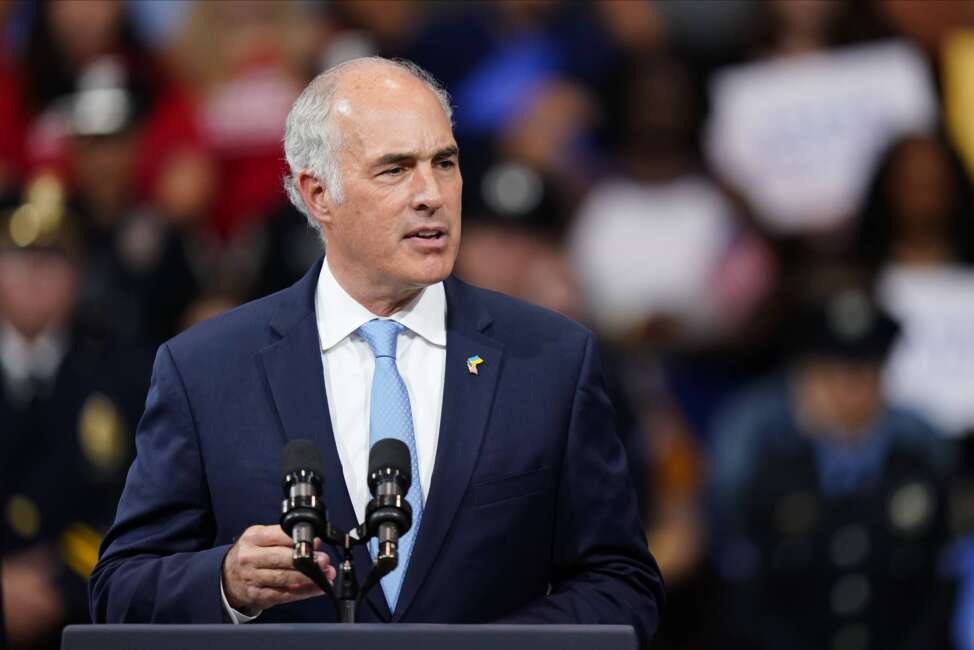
(657, 245)
(916, 234)
(670, 273)
(69, 400)
(661, 252)
(369, 27)
(918, 210)
(62, 41)
(784, 28)
(100, 110)
(139, 277)
(524, 88)
(244, 63)
(830, 503)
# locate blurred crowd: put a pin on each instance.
(763, 207)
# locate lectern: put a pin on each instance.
(365, 636)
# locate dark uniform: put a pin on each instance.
(849, 570)
(65, 445)
(828, 545)
(139, 280)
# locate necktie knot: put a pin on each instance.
(381, 336)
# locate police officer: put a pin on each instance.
(68, 402)
(830, 501)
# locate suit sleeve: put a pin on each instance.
(157, 562)
(603, 571)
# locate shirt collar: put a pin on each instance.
(338, 314)
(39, 358)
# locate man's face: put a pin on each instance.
(843, 393)
(37, 290)
(398, 228)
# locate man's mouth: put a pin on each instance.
(430, 234)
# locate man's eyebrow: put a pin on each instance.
(394, 158)
(401, 157)
(447, 152)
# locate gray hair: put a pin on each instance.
(312, 138)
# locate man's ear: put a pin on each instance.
(315, 195)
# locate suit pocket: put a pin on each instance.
(507, 487)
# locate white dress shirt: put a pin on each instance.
(24, 362)
(348, 366)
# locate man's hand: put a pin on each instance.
(258, 572)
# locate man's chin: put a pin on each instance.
(424, 280)
(432, 269)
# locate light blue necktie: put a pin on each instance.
(391, 417)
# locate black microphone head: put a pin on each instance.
(390, 454)
(301, 455)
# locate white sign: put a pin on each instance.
(800, 136)
(932, 364)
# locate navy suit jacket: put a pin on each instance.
(530, 517)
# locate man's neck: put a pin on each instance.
(378, 300)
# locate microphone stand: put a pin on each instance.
(345, 594)
(346, 584)
(303, 514)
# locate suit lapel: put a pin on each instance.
(467, 400)
(292, 366)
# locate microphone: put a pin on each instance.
(388, 515)
(302, 511)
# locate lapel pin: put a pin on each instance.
(472, 364)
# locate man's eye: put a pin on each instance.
(446, 163)
(394, 171)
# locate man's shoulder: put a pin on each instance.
(513, 319)
(236, 331)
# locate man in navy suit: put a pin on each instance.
(528, 512)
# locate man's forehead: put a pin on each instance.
(378, 151)
(398, 113)
(374, 83)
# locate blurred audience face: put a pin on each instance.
(804, 16)
(103, 170)
(186, 187)
(841, 397)
(85, 29)
(544, 134)
(659, 108)
(527, 12)
(921, 187)
(388, 22)
(802, 25)
(37, 290)
(251, 28)
(521, 264)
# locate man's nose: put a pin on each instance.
(427, 195)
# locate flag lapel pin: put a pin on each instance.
(472, 364)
